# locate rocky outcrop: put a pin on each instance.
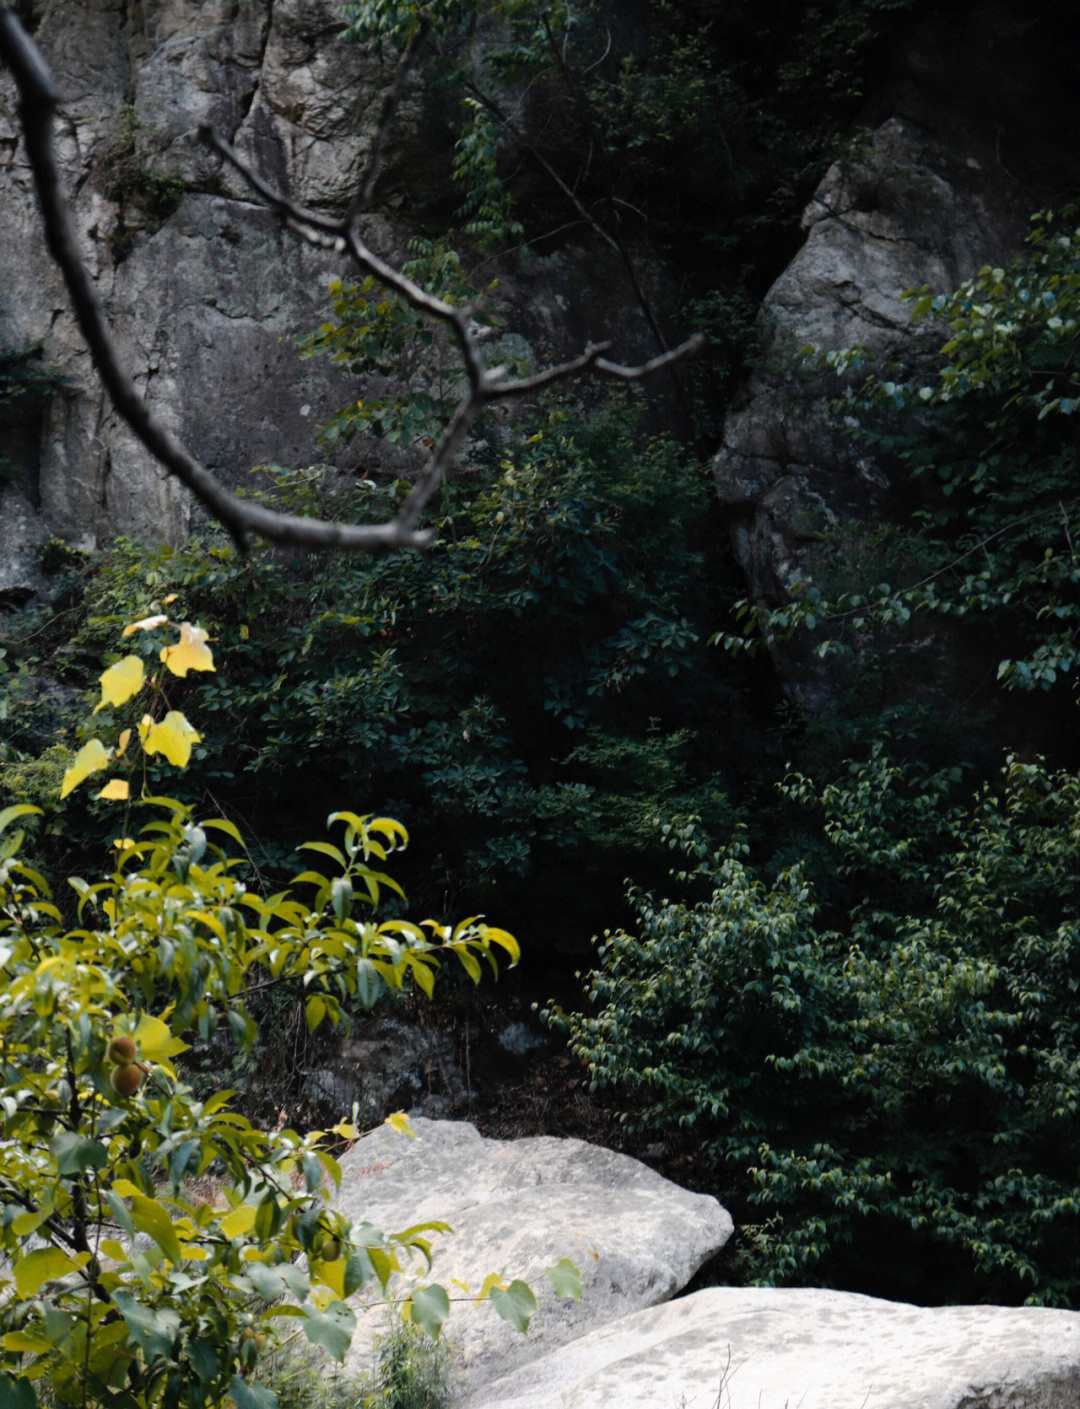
(387, 1066)
(205, 291)
(903, 209)
(517, 1206)
(763, 1348)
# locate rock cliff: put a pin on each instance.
(904, 209)
(205, 291)
(960, 141)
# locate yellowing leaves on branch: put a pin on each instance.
(190, 652)
(172, 736)
(121, 681)
(91, 758)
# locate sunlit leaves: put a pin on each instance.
(190, 653)
(44, 1265)
(121, 681)
(99, 1130)
(91, 758)
(173, 736)
(148, 623)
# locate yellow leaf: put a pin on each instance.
(91, 758)
(166, 601)
(156, 1042)
(190, 652)
(147, 624)
(115, 790)
(20, 1341)
(173, 737)
(240, 1220)
(244, 633)
(121, 681)
(400, 1121)
(44, 1265)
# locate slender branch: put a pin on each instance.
(242, 518)
(611, 239)
(484, 385)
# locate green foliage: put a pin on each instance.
(379, 338)
(987, 445)
(298, 1376)
(125, 171)
(413, 1370)
(905, 1065)
(409, 1370)
(487, 204)
(126, 1286)
(23, 374)
(655, 117)
(508, 695)
(96, 1152)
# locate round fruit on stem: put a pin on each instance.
(126, 1080)
(122, 1049)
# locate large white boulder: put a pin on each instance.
(516, 1207)
(763, 1348)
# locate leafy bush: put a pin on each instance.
(412, 1371)
(904, 1066)
(508, 695)
(152, 1236)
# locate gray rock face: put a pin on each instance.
(517, 1206)
(204, 291)
(205, 302)
(391, 1066)
(760, 1348)
(901, 212)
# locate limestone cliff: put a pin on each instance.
(906, 210)
(205, 291)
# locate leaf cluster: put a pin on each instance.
(509, 695)
(905, 1065)
(985, 445)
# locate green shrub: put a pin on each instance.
(508, 695)
(904, 1066)
(412, 1371)
(129, 1284)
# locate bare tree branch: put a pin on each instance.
(242, 518)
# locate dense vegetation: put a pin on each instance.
(860, 991)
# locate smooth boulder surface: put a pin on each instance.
(516, 1207)
(767, 1348)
